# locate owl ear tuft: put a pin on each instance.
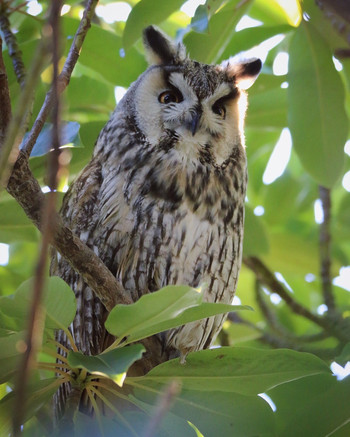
(244, 72)
(160, 49)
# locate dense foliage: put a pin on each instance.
(300, 321)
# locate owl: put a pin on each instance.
(162, 200)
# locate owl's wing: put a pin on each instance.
(80, 212)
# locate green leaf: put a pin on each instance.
(159, 311)
(113, 363)
(145, 13)
(9, 343)
(255, 236)
(14, 224)
(268, 109)
(107, 59)
(317, 118)
(8, 367)
(59, 303)
(208, 48)
(219, 413)
(275, 12)
(39, 393)
(313, 406)
(247, 38)
(241, 370)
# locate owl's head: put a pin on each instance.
(194, 109)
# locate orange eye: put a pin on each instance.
(219, 110)
(169, 96)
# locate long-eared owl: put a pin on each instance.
(162, 199)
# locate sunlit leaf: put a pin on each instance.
(317, 118)
(145, 13)
(248, 38)
(276, 12)
(159, 311)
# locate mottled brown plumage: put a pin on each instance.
(162, 200)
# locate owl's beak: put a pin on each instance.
(193, 125)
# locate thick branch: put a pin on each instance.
(5, 107)
(26, 190)
(325, 249)
(64, 77)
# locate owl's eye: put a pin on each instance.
(170, 96)
(219, 109)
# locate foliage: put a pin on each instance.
(284, 278)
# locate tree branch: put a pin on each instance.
(325, 249)
(26, 190)
(64, 77)
(268, 278)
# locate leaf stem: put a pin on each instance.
(112, 407)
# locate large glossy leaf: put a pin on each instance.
(159, 311)
(219, 413)
(317, 118)
(113, 363)
(209, 47)
(59, 303)
(313, 406)
(255, 236)
(143, 14)
(241, 370)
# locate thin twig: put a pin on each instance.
(17, 126)
(5, 107)
(325, 249)
(266, 277)
(64, 77)
(269, 315)
(163, 405)
(36, 318)
(13, 49)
